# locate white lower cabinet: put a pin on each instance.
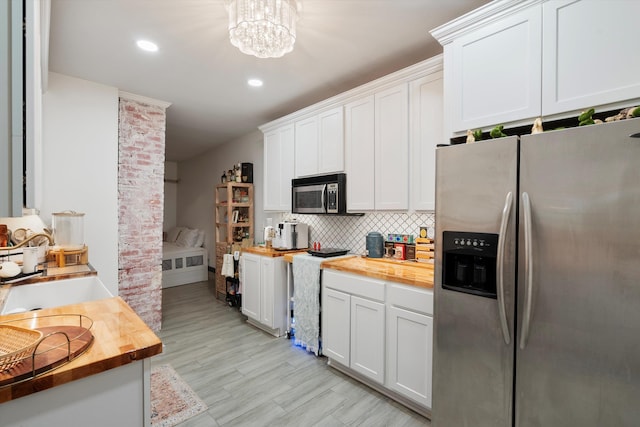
(264, 292)
(409, 356)
(251, 286)
(367, 338)
(115, 397)
(353, 322)
(410, 341)
(381, 331)
(336, 309)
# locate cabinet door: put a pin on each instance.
(278, 168)
(426, 123)
(272, 160)
(306, 147)
(267, 273)
(336, 307)
(359, 142)
(496, 72)
(286, 167)
(251, 273)
(409, 354)
(590, 53)
(367, 338)
(392, 149)
(331, 141)
(274, 294)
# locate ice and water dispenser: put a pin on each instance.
(469, 262)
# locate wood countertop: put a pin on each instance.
(270, 252)
(120, 338)
(409, 273)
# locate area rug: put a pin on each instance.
(172, 400)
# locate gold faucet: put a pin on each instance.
(28, 239)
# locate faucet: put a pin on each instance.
(28, 239)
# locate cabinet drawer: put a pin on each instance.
(411, 297)
(354, 284)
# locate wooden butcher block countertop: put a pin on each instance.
(409, 273)
(270, 252)
(120, 338)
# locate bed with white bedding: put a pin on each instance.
(184, 257)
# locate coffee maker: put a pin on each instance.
(291, 235)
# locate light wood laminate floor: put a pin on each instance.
(249, 378)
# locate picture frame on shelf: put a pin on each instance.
(235, 215)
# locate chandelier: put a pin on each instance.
(263, 28)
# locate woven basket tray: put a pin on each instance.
(16, 344)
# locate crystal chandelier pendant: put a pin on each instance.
(263, 28)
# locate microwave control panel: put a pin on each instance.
(332, 197)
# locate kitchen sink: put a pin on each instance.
(54, 293)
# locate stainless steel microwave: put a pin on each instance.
(326, 194)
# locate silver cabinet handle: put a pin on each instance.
(528, 270)
(506, 214)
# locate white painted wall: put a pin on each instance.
(200, 175)
(170, 196)
(80, 164)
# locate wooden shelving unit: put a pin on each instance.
(234, 223)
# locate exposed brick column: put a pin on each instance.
(140, 207)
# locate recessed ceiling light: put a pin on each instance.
(254, 82)
(147, 45)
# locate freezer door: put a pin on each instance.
(579, 365)
(473, 363)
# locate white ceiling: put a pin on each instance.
(340, 44)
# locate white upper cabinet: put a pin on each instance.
(387, 128)
(306, 147)
(496, 72)
(511, 61)
(377, 151)
(392, 148)
(331, 140)
(319, 143)
(359, 154)
(590, 54)
(368, 133)
(426, 132)
(278, 168)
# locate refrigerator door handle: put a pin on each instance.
(528, 270)
(506, 214)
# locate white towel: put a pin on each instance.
(227, 266)
(306, 297)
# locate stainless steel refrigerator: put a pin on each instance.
(537, 280)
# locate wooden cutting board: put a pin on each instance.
(52, 352)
